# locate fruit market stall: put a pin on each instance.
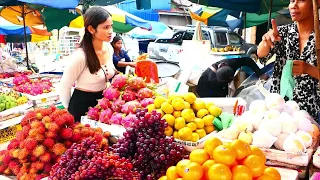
(135, 132)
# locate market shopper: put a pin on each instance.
(90, 65)
(215, 79)
(120, 57)
(295, 41)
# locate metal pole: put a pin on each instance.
(270, 12)
(245, 24)
(25, 35)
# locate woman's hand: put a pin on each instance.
(264, 77)
(133, 64)
(271, 36)
(299, 67)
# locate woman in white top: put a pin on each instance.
(91, 65)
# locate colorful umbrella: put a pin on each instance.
(213, 16)
(122, 21)
(28, 14)
(251, 6)
(159, 30)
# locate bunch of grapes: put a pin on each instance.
(149, 149)
(88, 161)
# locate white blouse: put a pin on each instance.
(76, 72)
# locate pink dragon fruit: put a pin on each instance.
(104, 103)
(20, 80)
(145, 102)
(130, 107)
(116, 118)
(119, 81)
(35, 90)
(46, 88)
(117, 104)
(136, 83)
(128, 120)
(111, 93)
(145, 93)
(129, 95)
(93, 113)
(105, 115)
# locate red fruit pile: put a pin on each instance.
(14, 74)
(125, 95)
(46, 134)
(35, 87)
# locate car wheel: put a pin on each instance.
(254, 56)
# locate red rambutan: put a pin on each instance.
(68, 144)
(45, 157)
(39, 137)
(30, 144)
(23, 154)
(75, 137)
(46, 119)
(33, 132)
(26, 129)
(35, 124)
(29, 116)
(2, 168)
(39, 150)
(24, 169)
(46, 111)
(48, 142)
(7, 172)
(51, 134)
(66, 133)
(42, 129)
(15, 153)
(68, 118)
(53, 108)
(59, 149)
(38, 165)
(6, 159)
(20, 136)
(33, 158)
(60, 121)
(14, 143)
(52, 126)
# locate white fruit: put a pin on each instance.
(258, 106)
(272, 126)
(246, 137)
(263, 139)
(305, 137)
(293, 144)
(274, 101)
(288, 124)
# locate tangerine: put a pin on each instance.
(181, 165)
(205, 166)
(255, 164)
(219, 171)
(210, 144)
(257, 151)
(241, 172)
(172, 173)
(199, 156)
(242, 149)
(265, 177)
(272, 172)
(224, 154)
(192, 171)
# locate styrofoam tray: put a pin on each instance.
(16, 110)
(288, 174)
(114, 129)
(10, 122)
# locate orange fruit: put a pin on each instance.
(255, 164)
(163, 178)
(265, 177)
(242, 149)
(210, 144)
(181, 165)
(193, 171)
(234, 164)
(199, 156)
(205, 166)
(272, 172)
(219, 171)
(241, 172)
(224, 154)
(179, 179)
(257, 151)
(172, 173)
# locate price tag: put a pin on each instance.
(44, 100)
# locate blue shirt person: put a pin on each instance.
(120, 57)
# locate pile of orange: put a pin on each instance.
(236, 160)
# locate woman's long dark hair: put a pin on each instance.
(115, 40)
(93, 17)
